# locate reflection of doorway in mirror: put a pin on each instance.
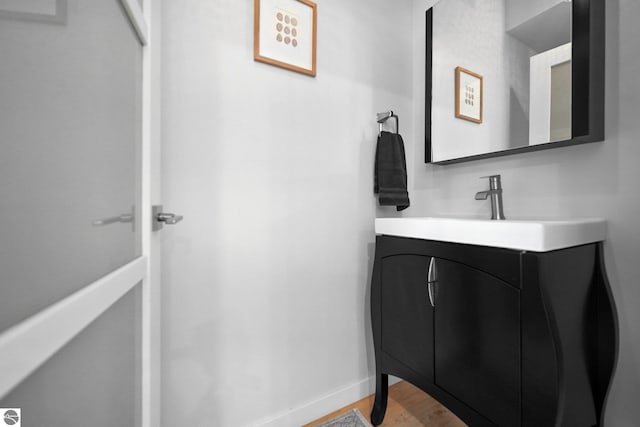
(560, 114)
(550, 96)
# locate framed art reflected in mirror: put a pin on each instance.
(468, 95)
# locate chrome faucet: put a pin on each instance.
(495, 192)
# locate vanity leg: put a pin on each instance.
(607, 337)
(380, 402)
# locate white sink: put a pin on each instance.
(536, 236)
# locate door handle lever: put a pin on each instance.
(129, 217)
(160, 218)
(169, 218)
(113, 220)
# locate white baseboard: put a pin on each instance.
(324, 405)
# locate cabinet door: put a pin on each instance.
(477, 341)
(407, 315)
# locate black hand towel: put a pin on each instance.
(390, 175)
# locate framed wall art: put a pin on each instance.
(285, 34)
(49, 11)
(468, 95)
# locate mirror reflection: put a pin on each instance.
(515, 86)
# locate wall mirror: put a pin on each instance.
(511, 76)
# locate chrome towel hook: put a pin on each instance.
(383, 117)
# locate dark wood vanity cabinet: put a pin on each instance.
(501, 337)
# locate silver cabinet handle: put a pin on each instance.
(432, 282)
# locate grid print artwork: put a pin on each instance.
(287, 27)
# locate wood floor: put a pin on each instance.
(407, 407)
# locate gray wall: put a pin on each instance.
(595, 180)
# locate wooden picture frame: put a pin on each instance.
(285, 34)
(469, 95)
(46, 11)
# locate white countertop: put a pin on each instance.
(536, 236)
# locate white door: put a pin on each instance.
(76, 302)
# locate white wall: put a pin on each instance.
(599, 180)
(265, 282)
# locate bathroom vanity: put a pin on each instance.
(506, 323)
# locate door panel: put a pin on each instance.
(70, 120)
(477, 341)
(92, 381)
(407, 319)
(71, 126)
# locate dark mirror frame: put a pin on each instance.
(587, 73)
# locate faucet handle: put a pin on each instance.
(494, 181)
